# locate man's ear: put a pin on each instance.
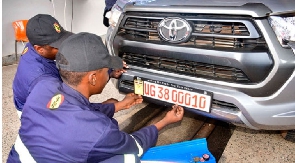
(39, 49)
(92, 78)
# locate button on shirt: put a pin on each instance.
(32, 68)
(59, 124)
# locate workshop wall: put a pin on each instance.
(88, 16)
(73, 15)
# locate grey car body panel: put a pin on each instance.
(276, 6)
(268, 104)
(247, 9)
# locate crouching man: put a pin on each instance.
(59, 124)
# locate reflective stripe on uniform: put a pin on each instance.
(140, 150)
(23, 152)
(129, 158)
(19, 113)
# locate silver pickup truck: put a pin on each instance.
(231, 60)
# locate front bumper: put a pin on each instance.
(276, 112)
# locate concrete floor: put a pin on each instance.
(245, 145)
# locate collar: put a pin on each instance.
(75, 94)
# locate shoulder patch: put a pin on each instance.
(55, 101)
(25, 50)
(56, 27)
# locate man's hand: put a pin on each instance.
(129, 100)
(172, 116)
(118, 72)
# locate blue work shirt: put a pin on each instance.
(109, 4)
(31, 69)
(58, 124)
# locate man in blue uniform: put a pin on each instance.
(108, 6)
(45, 35)
(37, 63)
(59, 124)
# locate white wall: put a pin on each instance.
(87, 17)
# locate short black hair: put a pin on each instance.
(69, 77)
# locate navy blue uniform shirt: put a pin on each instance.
(58, 124)
(31, 69)
(109, 4)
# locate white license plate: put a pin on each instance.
(173, 93)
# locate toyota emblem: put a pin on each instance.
(174, 30)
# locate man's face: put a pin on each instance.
(50, 52)
(46, 51)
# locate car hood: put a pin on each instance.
(276, 6)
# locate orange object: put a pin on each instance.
(20, 33)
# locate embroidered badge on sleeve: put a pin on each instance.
(55, 101)
(25, 50)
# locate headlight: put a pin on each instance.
(114, 15)
(284, 28)
(117, 10)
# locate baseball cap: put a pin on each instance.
(43, 29)
(85, 52)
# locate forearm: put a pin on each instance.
(129, 100)
(172, 116)
(161, 124)
(119, 106)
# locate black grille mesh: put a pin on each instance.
(207, 34)
(206, 27)
(184, 67)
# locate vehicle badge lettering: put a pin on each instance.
(174, 30)
(55, 101)
(56, 27)
(25, 50)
